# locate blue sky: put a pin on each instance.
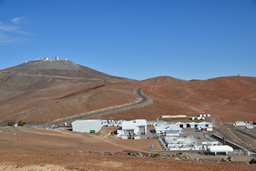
(138, 39)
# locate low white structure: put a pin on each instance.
(172, 133)
(182, 143)
(161, 129)
(46, 59)
(86, 126)
(157, 122)
(104, 123)
(220, 149)
(250, 126)
(241, 123)
(204, 115)
(206, 126)
(200, 118)
(119, 122)
(112, 123)
(208, 129)
(132, 128)
(182, 124)
(211, 143)
(195, 124)
(56, 58)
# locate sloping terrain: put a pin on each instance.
(43, 91)
(26, 148)
(230, 98)
(37, 92)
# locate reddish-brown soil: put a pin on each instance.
(40, 92)
(38, 149)
(71, 161)
(230, 98)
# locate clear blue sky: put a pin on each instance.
(138, 39)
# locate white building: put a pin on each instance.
(172, 133)
(56, 58)
(161, 129)
(194, 125)
(133, 127)
(157, 122)
(87, 126)
(182, 143)
(250, 126)
(46, 59)
(104, 123)
(241, 123)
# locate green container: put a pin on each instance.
(92, 131)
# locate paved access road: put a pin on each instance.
(144, 101)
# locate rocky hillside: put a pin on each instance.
(230, 98)
(43, 91)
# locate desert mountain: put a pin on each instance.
(230, 98)
(43, 91)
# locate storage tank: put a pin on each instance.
(223, 148)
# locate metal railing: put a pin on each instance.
(163, 144)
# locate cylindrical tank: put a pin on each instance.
(224, 148)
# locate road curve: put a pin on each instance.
(144, 101)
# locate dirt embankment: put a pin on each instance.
(27, 148)
(92, 162)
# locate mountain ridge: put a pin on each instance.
(38, 93)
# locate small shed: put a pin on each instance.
(87, 126)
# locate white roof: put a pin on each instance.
(137, 122)
(172, 131)
(193, 123)
(167, 127)
(95, 120)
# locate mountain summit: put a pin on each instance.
(65, 68)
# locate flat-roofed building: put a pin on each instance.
(87, 126)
